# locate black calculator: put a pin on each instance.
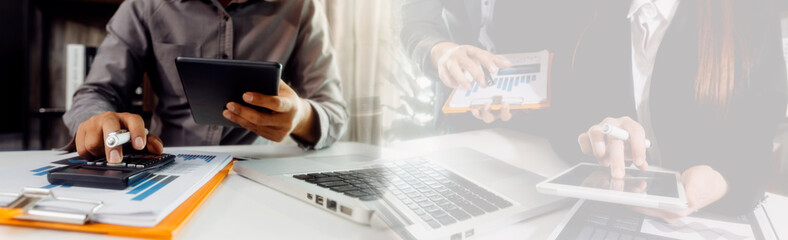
(100, 174)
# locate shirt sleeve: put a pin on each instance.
(117, 68)
(313, 73)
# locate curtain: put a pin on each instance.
(388, 100)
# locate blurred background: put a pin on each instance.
(389, 99)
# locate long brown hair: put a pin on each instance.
(721, 50)
(721, 55)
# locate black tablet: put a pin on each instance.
(210, 84)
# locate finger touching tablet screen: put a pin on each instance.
(652, 189)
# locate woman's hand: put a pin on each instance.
(702, 186)
(614, 152)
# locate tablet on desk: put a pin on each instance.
(651, 189)
(210, 84)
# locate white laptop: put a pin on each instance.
(451, 194)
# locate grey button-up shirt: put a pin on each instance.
(147, 36)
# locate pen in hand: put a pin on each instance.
(619, 133)
(119, 137)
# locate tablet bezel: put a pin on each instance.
(210, 67)
(604, 195)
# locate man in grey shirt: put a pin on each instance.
(147, 36)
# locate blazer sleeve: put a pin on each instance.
(422, 28)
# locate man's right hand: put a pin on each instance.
(453, 61)
(92, 132)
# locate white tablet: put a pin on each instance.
(651, 189)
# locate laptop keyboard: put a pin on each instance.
(604, 226)
(438, 196)
(603, 221)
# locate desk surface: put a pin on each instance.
(240, 208)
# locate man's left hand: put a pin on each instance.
(291, 115)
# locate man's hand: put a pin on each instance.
(92, 132)
(291, 115)
(487, 115)
(454, 61)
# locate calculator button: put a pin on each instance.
(99, 163)
(90, 163)
(140, 166)
(131, 165)
(116, 164)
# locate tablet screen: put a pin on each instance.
(636, 181)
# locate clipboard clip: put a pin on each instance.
(30, 197)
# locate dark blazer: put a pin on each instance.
(738, 145)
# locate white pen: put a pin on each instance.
(119, 137)
(619, 133)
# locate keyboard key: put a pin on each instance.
(433, 224)
(344, 188)
(327, 179)
(413, 206)
(586, 233)
(470, 208)
(446, 220)
(369, 198)
(356, 193)
(332, 184)
(484, 205)
(599, 234)
(425, 204)
(448, 206)
(459, 214)
(625, 237)
(438, 213)
(425, 217)
(432, 208)
(316, 175)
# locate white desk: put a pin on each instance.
(242, 209)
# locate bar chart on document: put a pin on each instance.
(142, 204)
(525, 82)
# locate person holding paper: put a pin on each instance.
(453, 40)
(703, 80)
(147, 36)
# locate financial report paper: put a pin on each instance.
(143, 204)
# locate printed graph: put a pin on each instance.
(150, 185)
(191, 157)
(506, 83)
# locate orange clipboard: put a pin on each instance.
(497, 103)
(166, 229)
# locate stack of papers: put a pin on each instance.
(144, 204)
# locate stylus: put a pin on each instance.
(119, 137)
(619, 133)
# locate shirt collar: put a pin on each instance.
(664, 7)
